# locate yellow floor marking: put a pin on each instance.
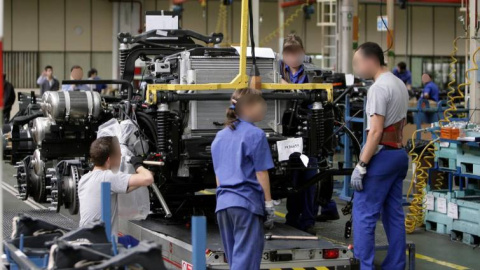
(444, 263)
(298, 268)
(275, 268)
(206, 192)
(321, 268)
(417, 255)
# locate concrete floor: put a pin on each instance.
(434, 252)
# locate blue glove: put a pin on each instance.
(269, 215)
(356, 180)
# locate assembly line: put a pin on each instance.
(204, 150)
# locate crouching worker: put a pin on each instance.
(106, 156)
(241, 159)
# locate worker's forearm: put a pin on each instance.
(264, 181)
(373, 139)
(146, 174)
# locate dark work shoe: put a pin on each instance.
(327, 217)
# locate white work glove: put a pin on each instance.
(269, 214)
(356, 180)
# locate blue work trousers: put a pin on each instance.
(242, 237)
(302, 207)
(381, 194)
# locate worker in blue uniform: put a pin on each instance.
(241, 159)
(430, 89)
(377, 178)
(403, 74)
(302, 207)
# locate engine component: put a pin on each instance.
(65, 105)
(41, 127)
(64, 185)
(22, 178)
(162, 128)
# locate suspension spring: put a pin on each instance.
(317, 128)
(162, 128)
(123, 54)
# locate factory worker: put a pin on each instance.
(76, 73)
(105, 154)
(430, 89)
(302, 207)
(241, 159)
(403, 74)
(378, 177)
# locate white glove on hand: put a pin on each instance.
(270, 215)
(356, 180)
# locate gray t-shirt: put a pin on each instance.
(89, 194)
(388, 97)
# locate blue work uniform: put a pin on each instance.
(302, 207)
(299, 77)
(431, 89)
(237, 156)
(405, 76)
(382, 184)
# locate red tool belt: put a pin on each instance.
(393, 135)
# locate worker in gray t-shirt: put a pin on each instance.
(106, 156)
(378, 177)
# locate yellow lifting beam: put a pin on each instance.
(241, 80)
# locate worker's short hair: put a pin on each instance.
(402, 66)
(429, 75)
(372, 50)
(76, 67)
(92, 71)
(48, 67)
(102, 148)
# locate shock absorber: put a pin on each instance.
(162, 127)
(316, 129)
(123, 53)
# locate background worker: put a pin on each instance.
(403, 74)
(47, 81)
(241, 159)
(76, 73)
(430, 89)
(93, 75)
(302, 207)
(378, 177)
(106, 157)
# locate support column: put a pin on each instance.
(391, 35)
(256, 21)
(116, 30)
(346, 45)
(281, 21)
(474, 96)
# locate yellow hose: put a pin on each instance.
(416, 214)
(282, 27)
(451, 104)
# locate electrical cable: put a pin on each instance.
(389, 33)
(252, 39)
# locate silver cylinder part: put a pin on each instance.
(41, 127)
(60, 105)
(37, 162)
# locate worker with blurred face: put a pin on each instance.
(430, 89)
(47, 82)
(76, 73)
(302, 207)
(403, 74)
(377, 178)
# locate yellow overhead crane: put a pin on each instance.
(241, 80)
